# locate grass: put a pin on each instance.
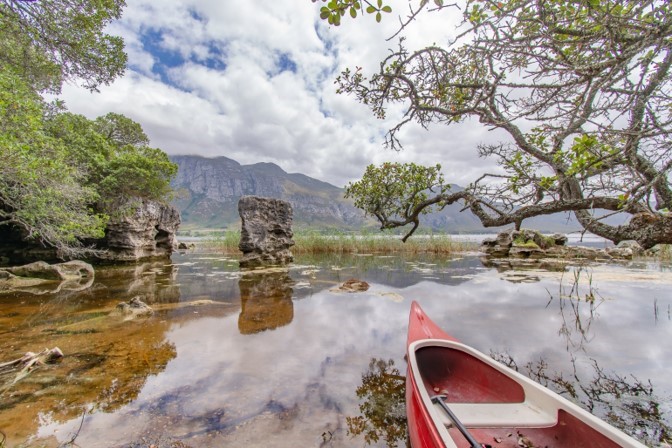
(664, 252)
(315, 242)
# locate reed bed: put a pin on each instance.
(315, 242)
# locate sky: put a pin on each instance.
(254, 82)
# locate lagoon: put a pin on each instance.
(277, 358)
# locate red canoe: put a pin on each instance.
(458, 397)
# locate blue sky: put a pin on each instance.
(254, 81)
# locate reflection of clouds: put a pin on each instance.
(493, 314)
(312, 366)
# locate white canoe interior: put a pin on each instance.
(493, 400)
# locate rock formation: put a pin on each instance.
(147, 232)
(532, 245)
(41, 277)
(266, 234)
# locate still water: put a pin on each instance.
(282, 358)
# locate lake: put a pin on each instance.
(283, 358)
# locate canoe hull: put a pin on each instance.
(499, 406)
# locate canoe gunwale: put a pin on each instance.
(537, 398)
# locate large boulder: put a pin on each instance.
(266, 234)
(41, 277)
(69, 270)
(147, 231)
(143, 230)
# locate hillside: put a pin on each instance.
(208, 190)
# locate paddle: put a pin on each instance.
(458, 424)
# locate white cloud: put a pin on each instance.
(254, 82)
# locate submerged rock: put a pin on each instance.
(353, 285)
(133, 308)
(266, 234)
(41, 277)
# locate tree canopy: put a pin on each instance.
(63, 175)
(581, 87)
(47, 42)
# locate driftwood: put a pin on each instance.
(27, 363)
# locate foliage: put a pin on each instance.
(40, 192)
(581, 88)
(337, 242)
(335, 9)
(395, 189)
(63, 175)
(382, 409)
(47, 42)
(113, 151)
(60, 177)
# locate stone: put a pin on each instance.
(147, 232)
(505, 238)
(133, 308)
(559, 239)
(633, 245)
(266, 234)
(527, 251)
(38, 269)
(69, 270)
(353, 285)
(624, 253)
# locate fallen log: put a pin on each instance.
(27, 363)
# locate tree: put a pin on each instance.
(114, 153)
(41, 192)
(62, 175)
(47, 42)
(581, 87)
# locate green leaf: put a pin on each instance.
(387, 9)
(370, 9)
(378, 17)
(353, 12)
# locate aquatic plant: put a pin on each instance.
(319, 242)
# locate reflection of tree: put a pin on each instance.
(106, 364)
(578, 305)
(266, 301)
(626, 403)
(383, 412)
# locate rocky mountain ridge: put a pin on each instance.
(208, 190)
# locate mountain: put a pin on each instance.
(208, 190)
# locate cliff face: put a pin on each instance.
(208, 191)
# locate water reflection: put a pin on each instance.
(187, 375)
(266, 301)
(624, 401)
(382, 405)
(578, 302)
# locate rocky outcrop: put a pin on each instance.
(529, 244)
(352, 285)
(266, 234)
(143, 230)
(41, 277)
(133, 309)
(148, 231)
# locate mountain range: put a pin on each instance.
(208, 189)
